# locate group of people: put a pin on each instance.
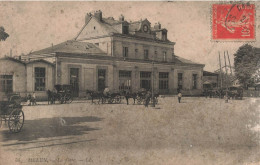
(31, 99)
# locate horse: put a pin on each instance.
(51, 97)
(95, 95)
(128, 95)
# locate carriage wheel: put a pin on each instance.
(16, 120)
(139, 100)
(68, 98)
(0, 121)
(117, 99)
(110, 100)
(156, 100)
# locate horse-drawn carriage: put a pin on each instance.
(104, 98)
(111, 98)
(232, 92)
(63, 94)
(11, 111)
(143, 95)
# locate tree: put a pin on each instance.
(245, 63)
(3, 34)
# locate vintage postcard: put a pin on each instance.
(113, 82)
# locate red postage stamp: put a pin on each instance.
(233, 22)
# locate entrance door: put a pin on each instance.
(74, 81)
(101, 79)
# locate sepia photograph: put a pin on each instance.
(130, 82)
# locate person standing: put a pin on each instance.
(33, 98)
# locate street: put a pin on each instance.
(197, 131)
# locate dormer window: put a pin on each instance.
(145, 28)
(125, 30)
(164, 36)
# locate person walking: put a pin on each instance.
(147, 98)
(179, 96)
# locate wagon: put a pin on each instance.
(141, 97)
(112, 98)
(11, 112)
(64, 93)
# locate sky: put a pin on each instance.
(36, 25)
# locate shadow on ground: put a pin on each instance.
(52, 127)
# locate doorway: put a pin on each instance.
(74, 81)
(101, 79)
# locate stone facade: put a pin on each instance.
(20, 77)
(123, 56)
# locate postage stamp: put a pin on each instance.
(233, 22)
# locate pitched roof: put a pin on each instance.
(40, 60)
(71, 47)
(12, 59)
(206, 73)
(183, 60)
(134, 26)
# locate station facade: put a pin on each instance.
(118, 54)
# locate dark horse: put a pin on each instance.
(51, 97)
(128, 95)
(95, 95)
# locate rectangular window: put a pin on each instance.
(163, 80)
(6, 83)
(164, 56)
(194, 81)
(39, 74)
(146, 54)
(180, 82)
(125, 51)
(124, 80)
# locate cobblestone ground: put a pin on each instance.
(198, 131)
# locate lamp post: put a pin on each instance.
(153, 102)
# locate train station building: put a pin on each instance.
(115, 53)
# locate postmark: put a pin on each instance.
(233, 22)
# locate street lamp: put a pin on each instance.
(153, 102)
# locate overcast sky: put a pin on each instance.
(36, 25)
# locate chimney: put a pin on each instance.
(87, 17)
(98, 15)
(121, 18)
(157, 26)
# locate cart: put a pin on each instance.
(11, 112)
(64, 93)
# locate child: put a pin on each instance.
(29, 98)
(33, 99)
(179, 96)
